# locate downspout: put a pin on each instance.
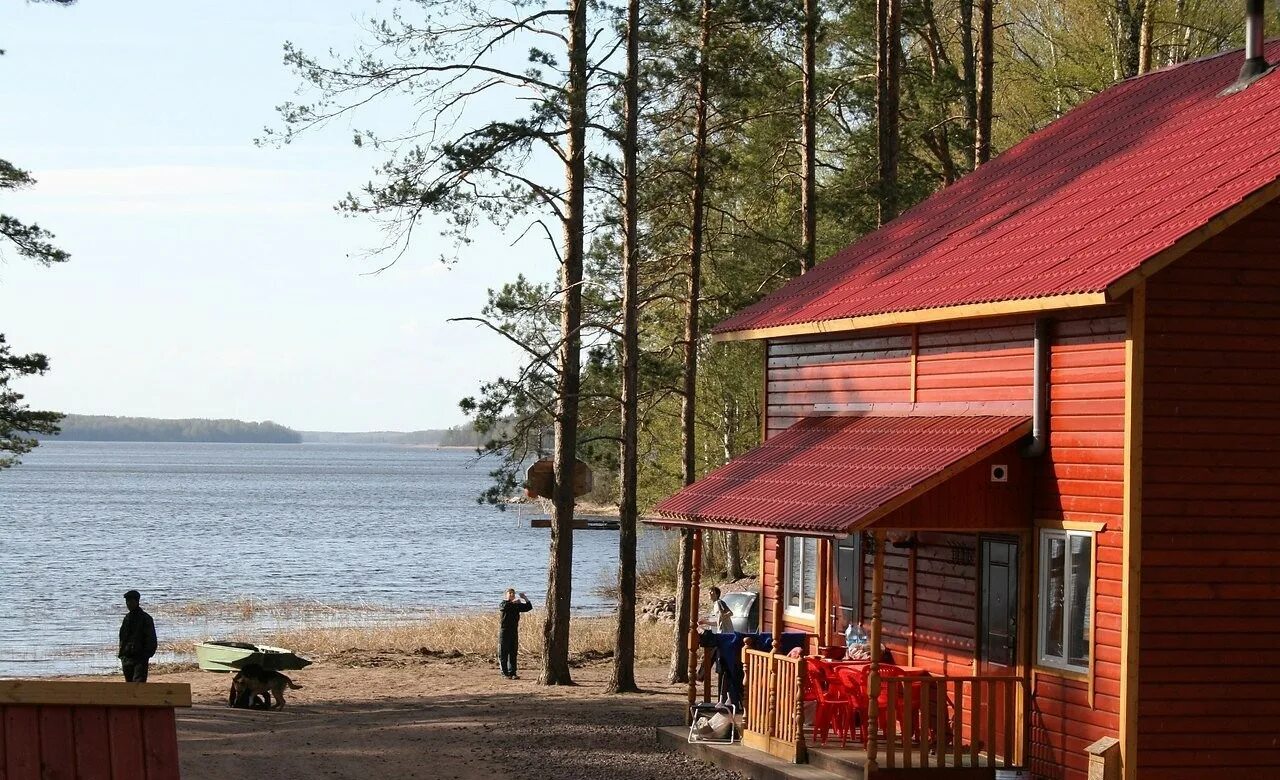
(1039, 443)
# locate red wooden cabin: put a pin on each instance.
(1117, 575)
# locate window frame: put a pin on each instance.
(1063, 663)
(798, 612)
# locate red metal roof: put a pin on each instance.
(829, 475)
(1071, 209)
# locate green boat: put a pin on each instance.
(234, 656)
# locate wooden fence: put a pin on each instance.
(953, 722)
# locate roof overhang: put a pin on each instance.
(1114, 292)
(831, 476)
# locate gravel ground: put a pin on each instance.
(414, 718)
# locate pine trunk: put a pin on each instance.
(688, 406)
(555, 657)
(970, 79)
(732, 550)
(624, 648)
(809, 192)
(986, 68)
(888, 57)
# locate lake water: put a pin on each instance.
(336, 532)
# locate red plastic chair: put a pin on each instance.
(835, 704)
(850, 680)
(882, 700)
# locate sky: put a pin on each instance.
(210, 277)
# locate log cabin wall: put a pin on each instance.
(1209, 649)
(1081, 479)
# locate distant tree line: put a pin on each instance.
(458, 436)
(84, 427)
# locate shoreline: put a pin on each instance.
(459, 636)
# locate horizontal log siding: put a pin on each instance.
(945, 597)
(865, 369)
(1082, 479)
(1209, 673)
(974, 364)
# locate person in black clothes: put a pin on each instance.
(137, 639)
(509, 633)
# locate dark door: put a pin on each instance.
(849, 576)
(998, 626)
(998, 631)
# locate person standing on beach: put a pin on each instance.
(137, 639)
(509, 631)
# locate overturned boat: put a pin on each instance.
(225, 656)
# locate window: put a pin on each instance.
(1066, 598)
(802, 575)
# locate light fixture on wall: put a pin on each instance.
(901, 539)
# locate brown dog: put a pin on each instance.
(258, 681)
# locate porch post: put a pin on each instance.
(779, 592)
(823, 622)
(695, 586)
(873, 678)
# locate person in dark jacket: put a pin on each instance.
(509, 632)
(137, 639)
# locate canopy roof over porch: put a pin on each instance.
(830, 476)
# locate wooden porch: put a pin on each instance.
(957, 726)
(929, 723)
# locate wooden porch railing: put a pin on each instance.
(774, 688)
(953, 722)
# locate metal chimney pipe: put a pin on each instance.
(1255, 60)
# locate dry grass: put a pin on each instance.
(248, 609)
(467, 635)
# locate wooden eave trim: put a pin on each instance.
(1070, 525)
(94, 694)
(965, 311)
(1158, 262)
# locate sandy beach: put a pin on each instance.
(392, 716)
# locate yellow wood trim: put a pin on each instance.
(948, 473)
(1093, 619)
(822, 608)
(942, 314)
(1066, 674)
(1131, 601)
(797, 619)
(1251, 203)
(97, 694)
(1050, 524)
(1026, 638)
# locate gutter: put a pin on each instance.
(1039, 443)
